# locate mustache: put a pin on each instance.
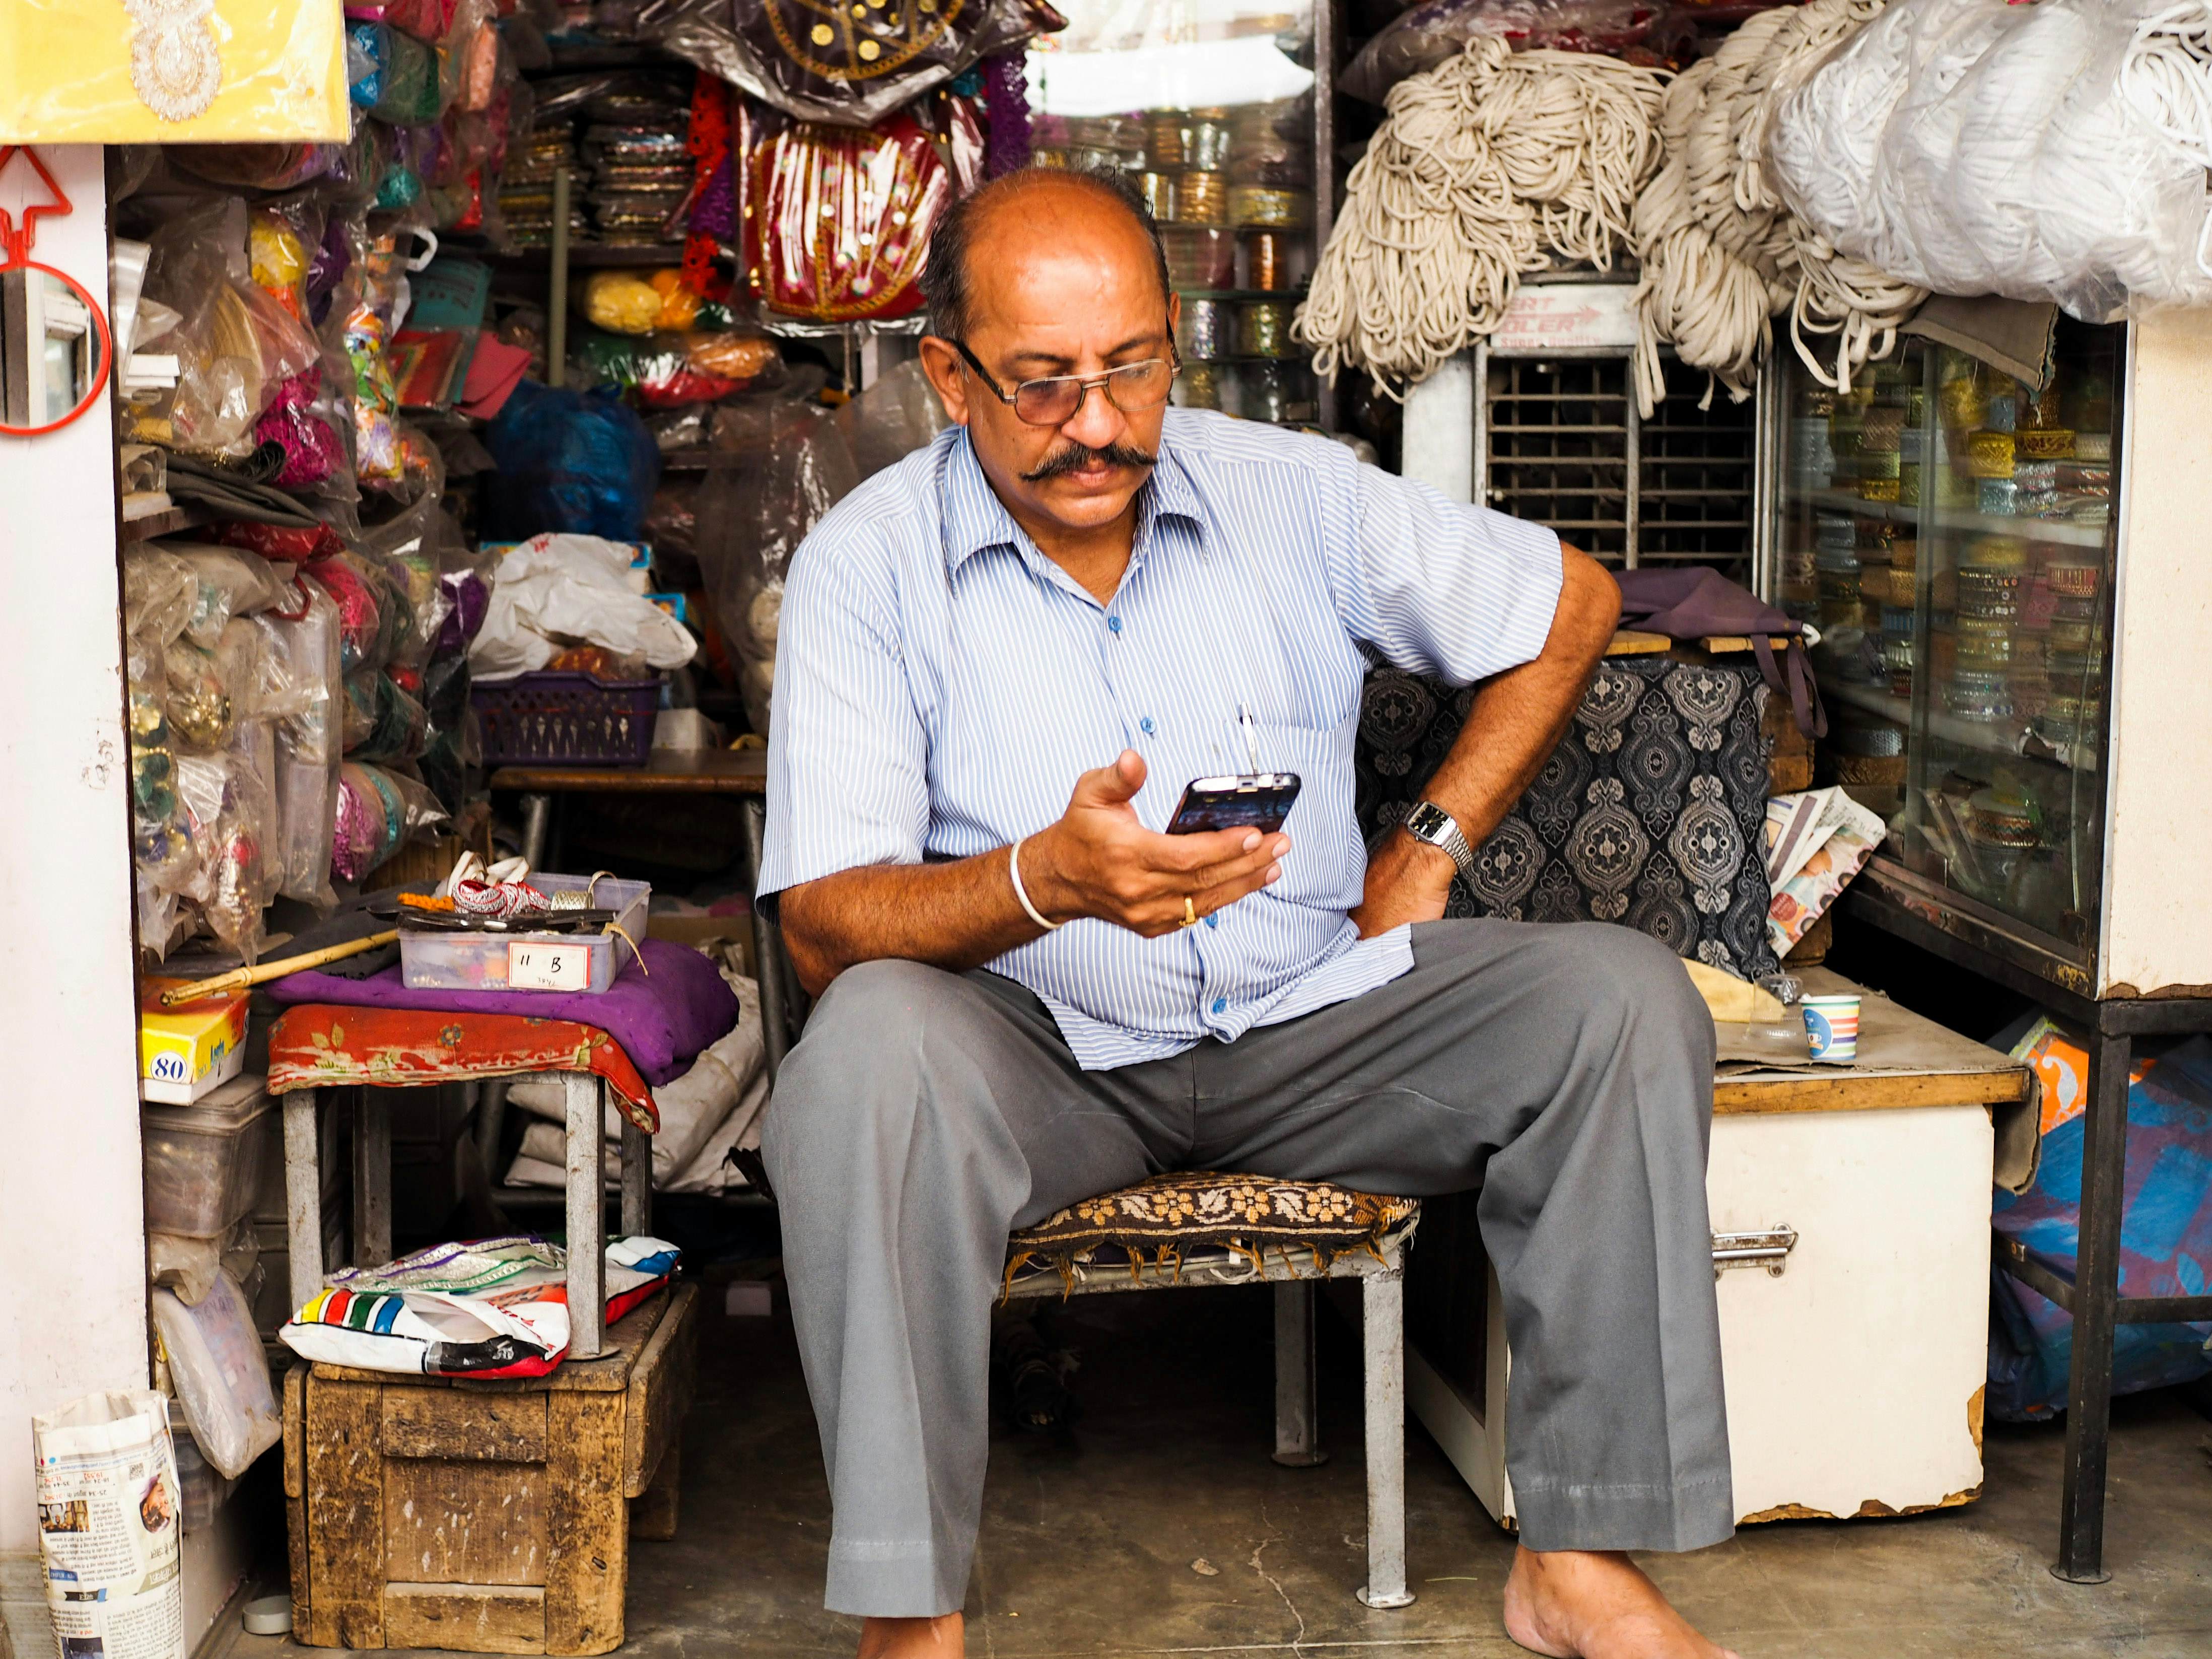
(1076, 456)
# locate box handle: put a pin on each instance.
(1769, 1249)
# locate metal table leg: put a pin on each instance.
(636, 1178)
(2096, 1291)
(1297, 1428)
(1382, 1336)
(537, 814)
(586, 1187)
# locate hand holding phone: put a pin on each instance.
(1099, 861)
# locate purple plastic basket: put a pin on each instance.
(551, 719)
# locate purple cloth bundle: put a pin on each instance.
(664, 1017)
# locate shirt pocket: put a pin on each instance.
(1327, 867)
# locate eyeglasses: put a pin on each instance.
(1132, 388)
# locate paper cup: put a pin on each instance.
(1832, 1027)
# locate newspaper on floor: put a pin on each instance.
(109, 1511)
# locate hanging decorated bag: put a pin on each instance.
(842, 219)
(854, 65)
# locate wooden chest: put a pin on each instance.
(486, 1516)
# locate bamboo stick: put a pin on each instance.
(239, 978)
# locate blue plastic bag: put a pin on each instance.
(2166, 1242)
(573, 461)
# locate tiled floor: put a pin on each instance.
(1159, 1526)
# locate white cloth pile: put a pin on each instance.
(553, 591)
(711, 1110)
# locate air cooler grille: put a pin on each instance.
(1563, 448)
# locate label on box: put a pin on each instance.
(539, 967)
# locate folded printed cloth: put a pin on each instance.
(692, 1107)
(663, 1017)
(542, 1159)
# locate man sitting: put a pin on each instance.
(1001, 661)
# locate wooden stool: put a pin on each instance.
(317, 1045)
(1190, 1230)
(485, 1516)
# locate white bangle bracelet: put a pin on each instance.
(1014, 869)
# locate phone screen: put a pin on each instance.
(1260, 803)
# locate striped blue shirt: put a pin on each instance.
(941, 682)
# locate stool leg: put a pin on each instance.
(372, 1179)
(587, 1176)
(637, 1177)
(303, 1196)
(1383, 1333)
(1297, 1427)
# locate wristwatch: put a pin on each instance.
(1430, 823)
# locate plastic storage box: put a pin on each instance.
(204, 1161)
(531, 961)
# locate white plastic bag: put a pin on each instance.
(109, 1517)
(557, 589)
(220, 1373)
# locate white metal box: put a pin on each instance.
(1854, 1373)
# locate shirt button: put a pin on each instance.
(1146, 725)
(1214, 922)
(1113, 624)
(1221, 1005)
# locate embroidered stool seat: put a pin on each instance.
(1194, 1229)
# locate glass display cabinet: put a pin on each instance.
(1951, 533)
(1218, 114)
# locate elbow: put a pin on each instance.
(811, 958)
(1589, 605)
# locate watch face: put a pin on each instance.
(1430, 823)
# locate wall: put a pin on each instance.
(72, 1266)
(2155, 936)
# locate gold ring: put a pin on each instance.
(1189, 912)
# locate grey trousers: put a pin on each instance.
(1565, 1070)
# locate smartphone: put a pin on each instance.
(1257, 801)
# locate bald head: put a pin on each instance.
(1027, 215)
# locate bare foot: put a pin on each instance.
(940, 1638)
(1588, 1604)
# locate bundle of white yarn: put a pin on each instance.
(1722, 253)
(2055, 151)
(1486, 168)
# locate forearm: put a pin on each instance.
(1518, 717)
(957, 916)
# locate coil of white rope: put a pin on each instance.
(1485, 168)
(1722, 254)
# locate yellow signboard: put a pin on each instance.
(172, 72)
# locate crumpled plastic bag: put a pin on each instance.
(556, 590)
